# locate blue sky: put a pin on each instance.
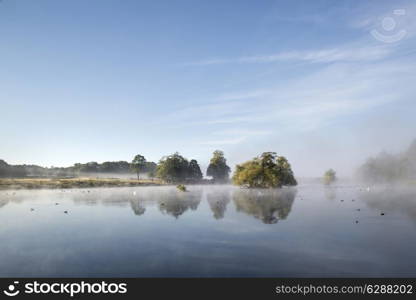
(325, 83)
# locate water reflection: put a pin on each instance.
(138, 207)
(218, 201)
(392, 199)
(330, 193)
(95, 238)
(3, 202)
(168, 200)
(270, 205)
(10, 197)
(176, 203)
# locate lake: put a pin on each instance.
(210, 231)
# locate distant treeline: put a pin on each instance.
(116, 167)
(387, 167)
(173, 168)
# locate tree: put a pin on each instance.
(4, 168)
(151, 174)
(16, 171)
(218, 168)
(138, 164)
(194, 171)
(386, 167)
(330, 176)
(150, 168)
(90, 167)
(265, 171)
(173, 168)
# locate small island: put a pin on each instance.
(265, 171)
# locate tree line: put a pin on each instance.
(177, 169)
(266, 171)
(108, 167)
(172, 168)
(386, 167)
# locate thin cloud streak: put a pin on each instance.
(245, 132)
(233, 141)
(342, 54)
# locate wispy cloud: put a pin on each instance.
(232, 141)
(330, 55)
(244, 132)
(235, 136)
(242, 95)
(305, 103)
(348, 80)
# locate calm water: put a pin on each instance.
(209, 231)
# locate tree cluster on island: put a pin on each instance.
(265, 171)
(329, 177)
(176, 169)
(218, 168)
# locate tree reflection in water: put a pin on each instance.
(3, 202)
(137, 206)
(10, 197)
(268, 205)
(176, 203)
(394, 199)
(218, 201)
(330, 193)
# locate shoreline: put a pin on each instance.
(69, 183)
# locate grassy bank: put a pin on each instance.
(52, 183)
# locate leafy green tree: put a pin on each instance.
(138, 164)
(181, 187)
(173, 168)
(218, 168)
(266, 171)
(194, 171)
(285, 170)
(330, 176)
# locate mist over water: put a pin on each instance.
(220, 230)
